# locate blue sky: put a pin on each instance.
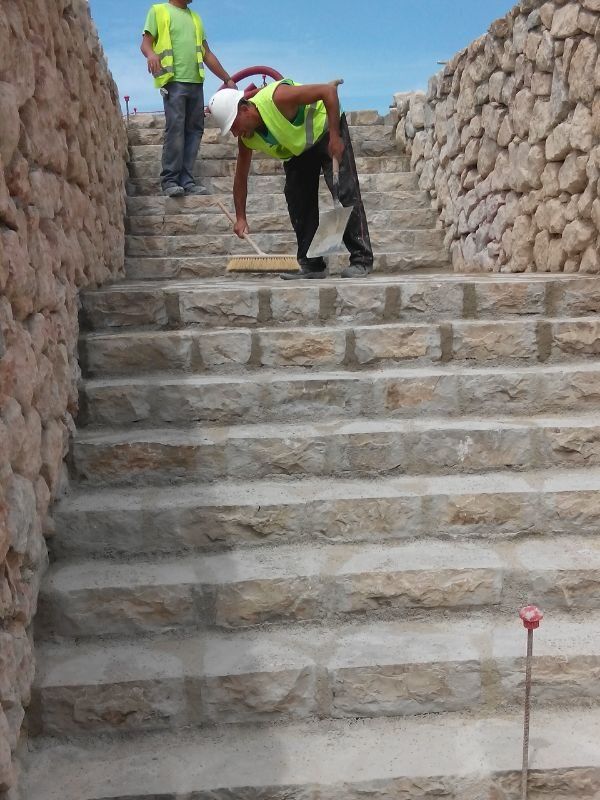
(379, 48)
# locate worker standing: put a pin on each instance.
(176, 50)
(304, 127)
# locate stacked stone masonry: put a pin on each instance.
(62, 165)
(507, 140)
(302, 516)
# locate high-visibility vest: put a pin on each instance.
(163, 46)
(291, 140)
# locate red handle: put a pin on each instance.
(248, 72)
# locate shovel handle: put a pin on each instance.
(335, 172)
(336, 165)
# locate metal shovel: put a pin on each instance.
(332, 224)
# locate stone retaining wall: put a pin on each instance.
(506, 139)
(62, 171)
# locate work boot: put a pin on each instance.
(305, 275)
(196, 188)
(356, 271)
(173, 191)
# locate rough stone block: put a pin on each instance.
(299, 305)
(248, 603)
(397, 343)
(360, 304)
(303, 348)
(260, 697)
(509, 298)
(219, 308)
(427, 688)
(494, 341)
(226, 348)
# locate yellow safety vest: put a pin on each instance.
(163, 46)
(291, 140)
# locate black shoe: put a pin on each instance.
(196, 189)
(305, 275)
(173, 191)
(356, 271)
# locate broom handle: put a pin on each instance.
(246, 236)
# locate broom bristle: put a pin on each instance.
(263, 264)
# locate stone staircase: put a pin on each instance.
(304, 517)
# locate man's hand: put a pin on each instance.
(336, 147)
(231, 84)
(241, 227)
(154, 65)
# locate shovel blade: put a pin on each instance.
(329, 235)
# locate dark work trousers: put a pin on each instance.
(184, 126)
(302, 194)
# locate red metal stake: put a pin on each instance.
(531, 616)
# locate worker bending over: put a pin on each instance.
(301, 125)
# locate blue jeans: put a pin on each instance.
(184, 118)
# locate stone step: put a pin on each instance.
(298, 584)
(354, 448)
(146, 145)
(327, 347)
(369, 134)
(271, 184)
(284, 243)
(292, 396)
(189, 224)
(158, 205)
(382, 669)
(156, 119)
(234, 514)
(249, 302)
(394, 260)
(456, 757)
(221, 167)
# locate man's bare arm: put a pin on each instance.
(240, 188)
(154, 66)
(215, 66)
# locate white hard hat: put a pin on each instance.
(223, 107)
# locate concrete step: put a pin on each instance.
(158, 205)
(227, 243)
(327, 347)
(458, 758)
(271, 184)
(249, 302)
(339, 448)
(189, 224)
(394, 260)
(382, 669)
(235, 514)
(368, 134)
(292, 396)
(207, 167)
(147, 145)
(298, 584)
(156, 119)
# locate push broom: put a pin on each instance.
(260, 262)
